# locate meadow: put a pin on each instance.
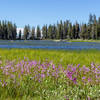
(83, 40)
(28, 74)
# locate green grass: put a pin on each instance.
(81, 40)
(64, 57)
(78, 40)
(50, 88)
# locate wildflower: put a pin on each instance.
(83, 78)
(89, 98)
(93, 65)
(89, 79)
(0, 62)
(4, 84)
(22, 70)
(47, 72)
(74, 80)
(42, 75)
(78, 65)
(69, 75)
(12, 76)
(53, 66)
(73, 69)
(85, 69)
(53, 73)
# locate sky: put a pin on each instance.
(40, 12)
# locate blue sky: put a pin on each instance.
(40, 12)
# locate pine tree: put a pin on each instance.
(61, 30)
(6, 33)
(57, 35)
(54, 31)
(26, 32)
(14, 33)
(0, 29)
(84, 32)
(20, 33)
(50, 31)
(9, 30)
(33, 33)
(90, 26)
(94, 27)
(69, 36)
(77, 30)
(3, 29)
(90, 19)
(38, 32)
(45, 32)
(73, 32)
(65, 29)
(98, 28)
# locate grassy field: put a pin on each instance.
(80, 40)
(63, 57)
(27, 74)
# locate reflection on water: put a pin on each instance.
(47, 44)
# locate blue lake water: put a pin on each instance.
(46, 44)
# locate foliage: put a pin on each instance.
(60, 30)
(7, 30)
(46, 81)
(38, 32)
(27, 74)
(26, 32)
(64, 57)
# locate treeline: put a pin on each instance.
(60, 30)
(8, 30)
(66, 30)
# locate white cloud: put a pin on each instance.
(22, 30)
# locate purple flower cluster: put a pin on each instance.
(38, 71)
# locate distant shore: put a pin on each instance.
(76, 40)
(59, 40)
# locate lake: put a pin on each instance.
(47, 44)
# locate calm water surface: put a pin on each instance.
(46, 44)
